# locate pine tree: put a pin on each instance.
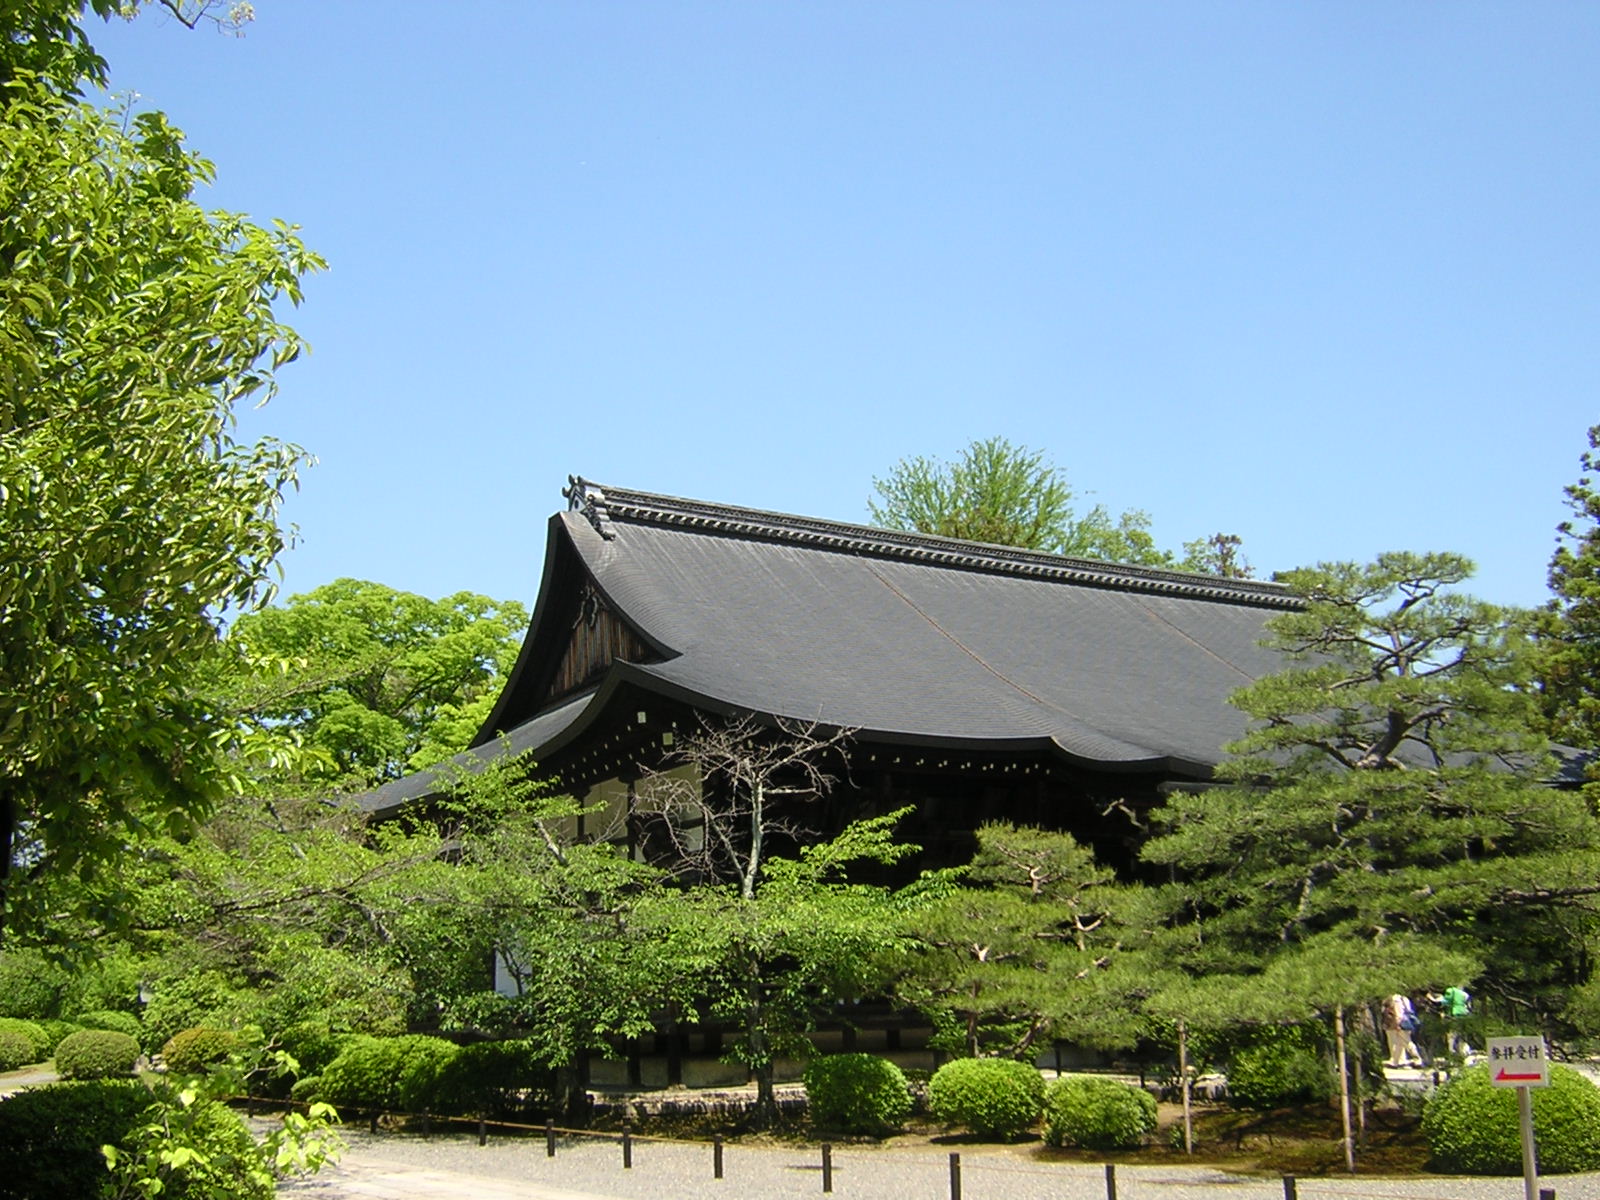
(1393, 784)
(1037, 942)
(1569, 661)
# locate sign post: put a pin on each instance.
(1522, 1063)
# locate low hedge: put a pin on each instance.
(857, 1093)
(494, 1079)
(1098, 1114)
(1474, 1128)
(312, 1045)
(394, 1074)
(50, 1137)
(96, 1054)
(993, 1097)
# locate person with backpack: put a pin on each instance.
(1400, 1022)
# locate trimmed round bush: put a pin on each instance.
(1473, 1127)
(395, 1074)
(993, 1097)
(494, 1079)
(50, 1137)
(1098, 1114)
(96, 1054)
(191, 1050)
(1277, 1074)
(38, 1039)
(16, 1050)
(856, 1093)
(105, 1018)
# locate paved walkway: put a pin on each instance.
(454, 1167)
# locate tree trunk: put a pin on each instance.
(1188, 1087)
(1344, 1089)
(759, 1051)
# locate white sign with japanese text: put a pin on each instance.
(1518, 1062)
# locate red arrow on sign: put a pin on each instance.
(1510, 1078)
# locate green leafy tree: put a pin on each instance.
(561, 913)
(1010, 495)
(355, 681)
(770, 941)
(132, 322)
(1220, 554)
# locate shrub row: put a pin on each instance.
(416, 1073)
(993, 1097)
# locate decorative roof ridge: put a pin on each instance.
(603, 505)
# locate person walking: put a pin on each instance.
(1455, 1006)
(1399, 1024)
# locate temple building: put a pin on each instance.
(976, 682)
(979, 682)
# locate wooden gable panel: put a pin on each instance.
(597, 639)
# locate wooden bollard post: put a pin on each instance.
(374, 1122)
(549, 1139)
(716, 1157)
(483, 1132)
(427, 1125)
(1111, 1181)
(1290, 1188)
(627, 1147)
(827, 1167)
(955, 1176)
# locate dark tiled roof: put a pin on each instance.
(902, 636)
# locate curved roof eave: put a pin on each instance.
(647, 680)
(563, 559)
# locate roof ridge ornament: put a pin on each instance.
(588, 499)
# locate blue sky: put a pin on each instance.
(1319, 274)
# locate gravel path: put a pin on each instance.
(454, 1167)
